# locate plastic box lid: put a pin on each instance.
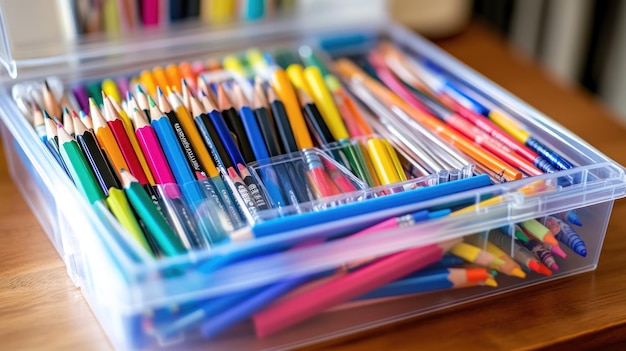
(25, 51)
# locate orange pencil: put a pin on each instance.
(174, 76)
(106, 139)
(188, 74)
(50, 102)
(351, 71)
(148, 82)
(355, 113)
(160, 77)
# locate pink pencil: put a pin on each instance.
(155, 157)
(289, 312)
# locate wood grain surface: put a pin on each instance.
(40, 308)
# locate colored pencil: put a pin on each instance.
(125, 146)
(130, 132)
(344, 288)
(151, 147)
(98, 160)
(119, 206)
(288, 141)
(157, 225)
(187, 122)
(286, 94)
(350, 70)
(325, 102)
(50, 102)
(79, 167)
(430, 280)
(106, 139)
(233, 121)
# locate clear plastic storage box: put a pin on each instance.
(143, 303)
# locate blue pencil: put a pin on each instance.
(246, 307)
(175, 157)
(270, 179)
(229, 143)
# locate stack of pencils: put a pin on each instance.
(191, 156)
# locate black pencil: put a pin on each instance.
(97, 159)
(282, 122)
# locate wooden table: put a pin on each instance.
(40, 309)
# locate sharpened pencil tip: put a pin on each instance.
(491, 282)
(518, 272)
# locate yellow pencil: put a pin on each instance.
(283, 88)
(186, 120)
(385, 169)
(147, 80)
(121, 209)
(110, 88)
(325, 103)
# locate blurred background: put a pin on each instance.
(577, 41)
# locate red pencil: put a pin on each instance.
(117, 128)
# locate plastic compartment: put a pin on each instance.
(131, 295)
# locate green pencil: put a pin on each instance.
(78, 166)
(156, 224)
